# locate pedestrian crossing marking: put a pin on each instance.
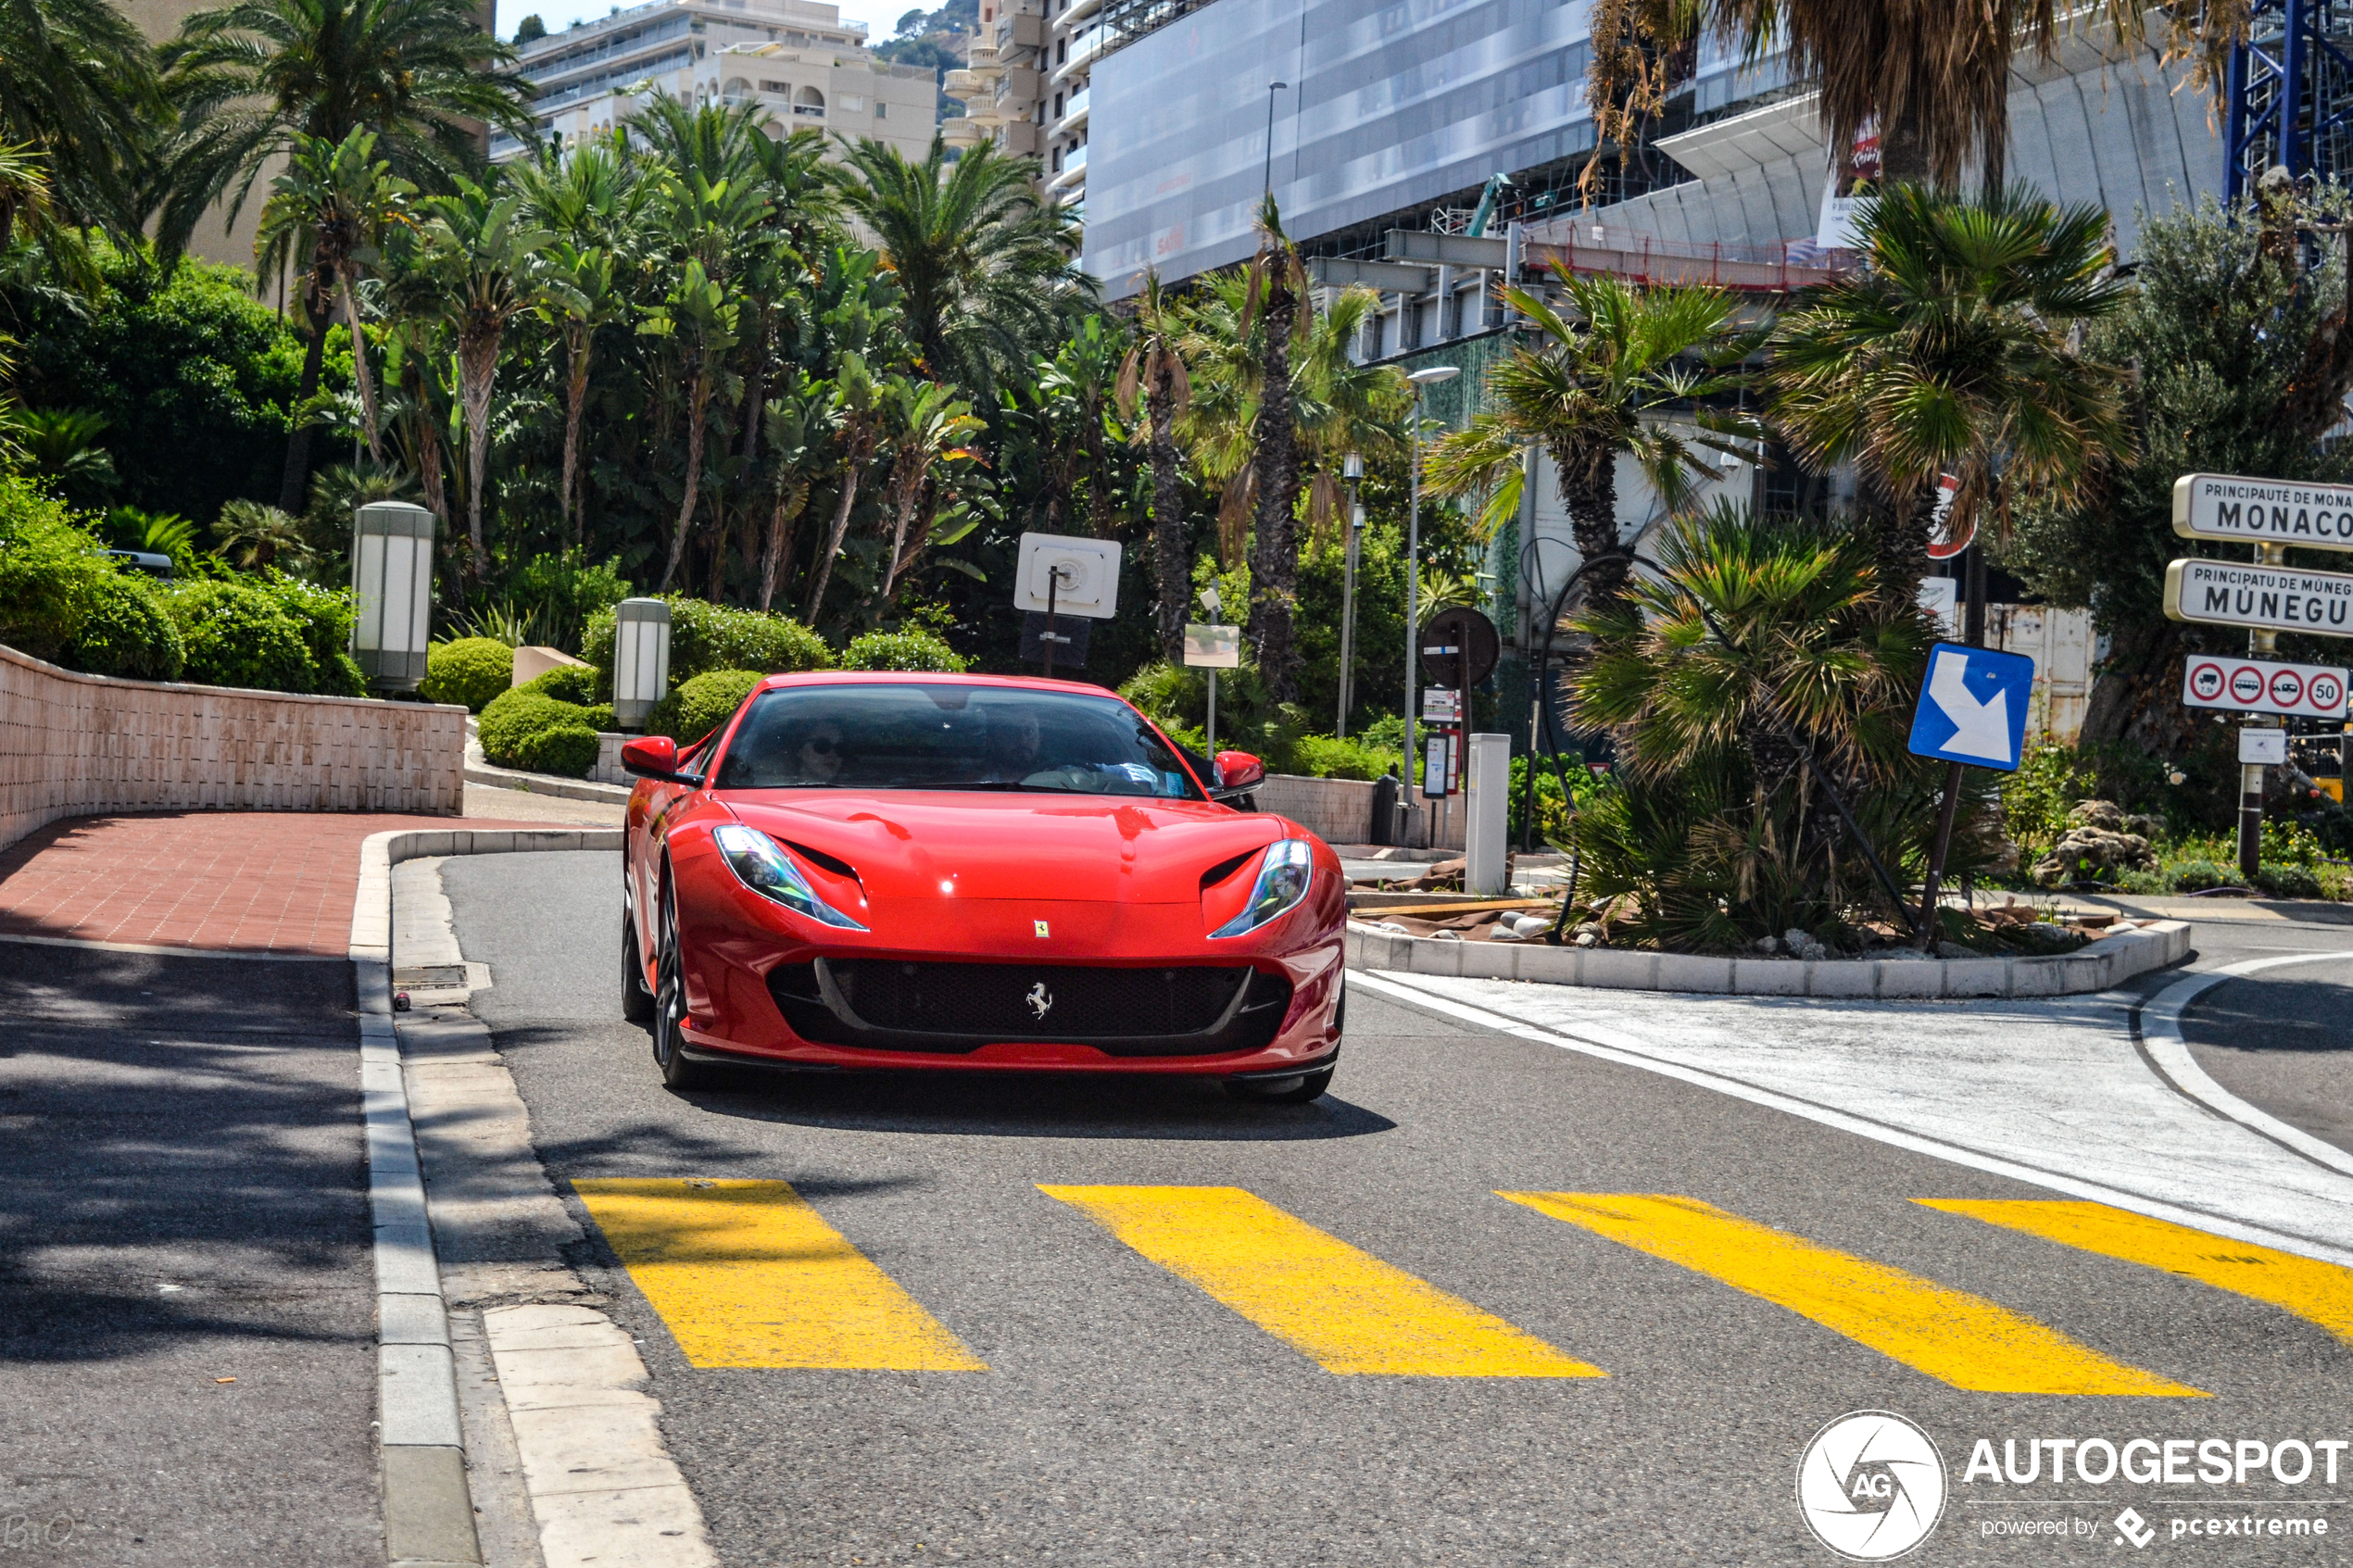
(747, 1274)
(2307, 1287)
(1951, 1336)
(1347, 1310)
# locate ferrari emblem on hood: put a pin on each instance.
(1040, 925)
(1041, 1000)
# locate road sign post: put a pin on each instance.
(1058, 575)
(1972, 713)
(1213, 647)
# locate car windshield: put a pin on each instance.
(925, 736)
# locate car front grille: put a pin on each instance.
(1182, 1010)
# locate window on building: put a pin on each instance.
(1061, 51)
(1058, 105)
(882, 110)
(1058, 161)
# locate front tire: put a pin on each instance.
(669, 1003)
(1300, 1090)
(636, 1002)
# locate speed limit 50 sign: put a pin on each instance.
(2256, 685)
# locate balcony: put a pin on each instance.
(1020, 86)
(810, 111)
(1073, 170)
(963, 131)
(1084, 48)
(1021, 30)
(1074, 112)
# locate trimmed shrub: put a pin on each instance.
(2288, 882)
(52, 572)
(903, 650)
(472, 670)
(705, 637)
(237, 635)
(2195, 876)
(327, 616)
(566, 683)
(566, 750)
(513, 720)
(1323, 756)
(129, 632)
(701, 704)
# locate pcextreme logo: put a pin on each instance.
(1870, 1485)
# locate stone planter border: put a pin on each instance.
(2096, 967)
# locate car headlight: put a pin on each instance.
(1282, 882)
(759, 865)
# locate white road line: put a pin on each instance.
(2161, 1032)
(1609, 1045)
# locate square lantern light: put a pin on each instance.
(392, 579)
(640, 659)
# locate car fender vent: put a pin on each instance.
(824, 861)
(1225, 869)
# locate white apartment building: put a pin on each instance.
(796, 59)
(1026, 88)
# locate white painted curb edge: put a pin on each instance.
(2161, 1032)
(428, 1509)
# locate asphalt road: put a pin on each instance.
(187, 1299)
(1126, 1416)
(2282, 1039)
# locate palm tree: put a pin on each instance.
(985, 264)
(857, 409)
(326, 210)
(1950, 352)
(1278, 307)
(1592, 388)
(61, 446)
(587, 301)
(258, 537)
(79, 91)
(928, 428)
(1343, 406)
(250, 80)
(1155, 368)
(485, 260)
(796, 419)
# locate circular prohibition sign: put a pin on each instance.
(2326, 692)
(2205, 679)
(2287, 687)
(2246, 684)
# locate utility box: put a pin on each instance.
(1487, 800)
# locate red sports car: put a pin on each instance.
(915, 871)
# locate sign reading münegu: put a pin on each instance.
(2276, 598)
(2263, 511)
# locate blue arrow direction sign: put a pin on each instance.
(1973, 707)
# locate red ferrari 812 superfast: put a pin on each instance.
(972, 873)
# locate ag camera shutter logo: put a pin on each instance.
(1870, 1485)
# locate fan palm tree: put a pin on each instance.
(79, 93)
(985, 264)
(1592, 388)
(1343, 406)
(326, 210)
(250, 80)
(1155, 371)
(61, 446)
(1951, 353)
(486, 262)
(258, 537)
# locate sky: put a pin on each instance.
(880, 16)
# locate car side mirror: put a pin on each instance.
(1239, 769)
(654, 757)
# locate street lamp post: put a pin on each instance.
(1272, 88)
(1353, 468)
(1423, 380)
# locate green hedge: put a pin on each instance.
(520, 729)
(701, 704)
(467, 671)
(903, 650)
(566, 683)
(52, 572)
(266, 633)
(129, 632)
(705, 637)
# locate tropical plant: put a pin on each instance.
(984, 263)
(1277, 308)
(1609, 376)
(1154, 372)
(1953, 352)
(61, 446)
(926, 428)
(857, 410)
(79, 111)
(257, 538)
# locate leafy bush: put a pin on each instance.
(701, 704)
(902, 650)
(560, 593)
(51, 573)
(565, 750)
(2288, 882)
(238, 635)
(1324, 757)
(2195, 876)
(327, 616)
(472, 670)
(513, 721)
(705, 637)
(566, 683)
(129, 632)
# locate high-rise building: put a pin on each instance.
(1027, 88)
(796, 59)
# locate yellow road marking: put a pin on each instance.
(748, 1274)
(1346, 1309)
(1954, 1337)
(2307, 1287)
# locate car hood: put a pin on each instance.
(1085, 849)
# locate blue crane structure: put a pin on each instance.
(2290, 95)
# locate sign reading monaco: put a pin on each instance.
(2263, 511)
(2275, 598)
(2255, 686)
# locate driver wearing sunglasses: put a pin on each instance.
(820, 756)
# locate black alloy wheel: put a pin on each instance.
(670, 1001)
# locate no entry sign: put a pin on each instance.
(2256, 685)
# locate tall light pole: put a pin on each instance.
(1272, 88)
(1423, 380)
(1351, 469)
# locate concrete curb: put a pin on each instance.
(2096, 967)
(543, 783)
(429, 1515)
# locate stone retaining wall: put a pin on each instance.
(78, 746)
(2095, 966)
(1336, 811)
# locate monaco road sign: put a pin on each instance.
(2271, 598)
(2263, 511)
(1973, 707)
(2256, 685)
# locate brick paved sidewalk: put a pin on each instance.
(259, 882)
